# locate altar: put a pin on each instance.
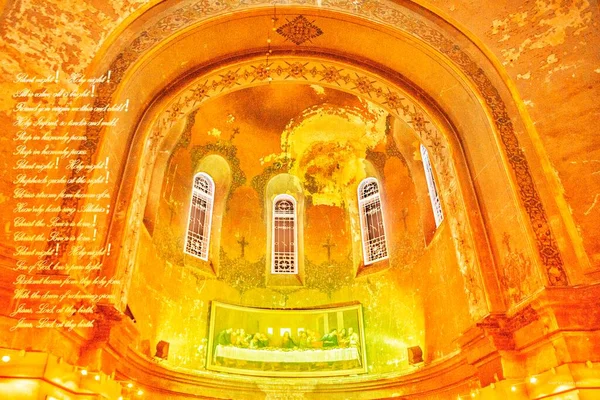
(274, 355)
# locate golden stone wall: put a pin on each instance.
(502, 297)
(333, 141)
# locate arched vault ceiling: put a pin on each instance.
(419, 43)
(425, 51)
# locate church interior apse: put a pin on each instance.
(299, 200)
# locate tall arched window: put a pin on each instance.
(285, 235)
(197, 239)
(433, 193)
(371, 222)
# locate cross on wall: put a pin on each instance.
(328, 245)
(243, 243)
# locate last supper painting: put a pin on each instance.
(299, 199)
(286, 342)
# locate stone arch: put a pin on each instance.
(468, 65)
(361, 83)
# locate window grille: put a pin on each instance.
(371, 222)
(436, 204)
(285, 236)
(197, 240)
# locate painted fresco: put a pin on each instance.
(326, 142)
(286, 342)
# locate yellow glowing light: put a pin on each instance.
(473, 394)
(84, 372)
(97, 377)
(5, 358)
(120, 398)
(140, 392)
(513, 388)
(130, 385)
(533, 380)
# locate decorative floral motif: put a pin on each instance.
(199, 93)
(229, 152)
(329, 277)
(173, 22)
(296, 70)
(299, 30)
(260, 72)
(364, 85)
(331, 74)
(241, 274)
(392, 100)
(230, 78)
(517, 276)
(419, 121)
(259, 182)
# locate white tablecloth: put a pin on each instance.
(290, 356)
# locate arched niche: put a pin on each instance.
(460, 71)
(219, 170)
(160, 175)
(408, 145)
(290, 185)
(447, 158)
(369, 171)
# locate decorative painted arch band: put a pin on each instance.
(384, 12)
(328, 74)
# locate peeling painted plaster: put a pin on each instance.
(554, 19)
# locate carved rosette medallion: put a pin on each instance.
(299, 30)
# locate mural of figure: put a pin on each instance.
(330, 339)
(288, 342)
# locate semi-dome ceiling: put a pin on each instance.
(486, 98)
(329, 141)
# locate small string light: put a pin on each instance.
(513, 388)
(533, 380)
(6, 358)
(84, 372)
(97, 377)
(140, 392)
(130, 385)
